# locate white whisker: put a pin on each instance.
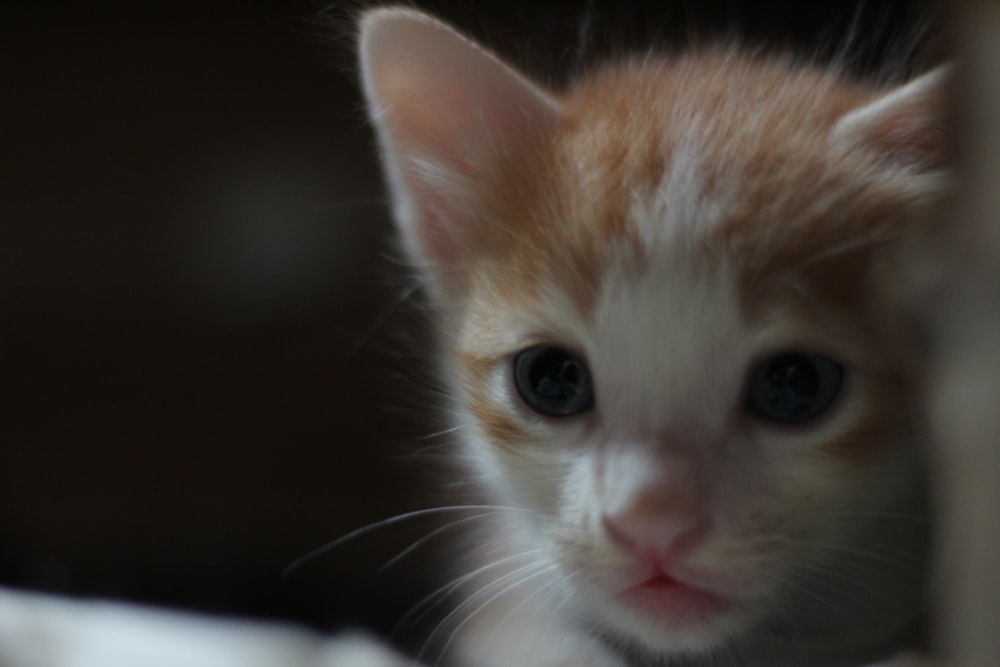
(519, 582)
(422, 607)
(399, 518)
(429, 536)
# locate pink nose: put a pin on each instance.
(660, 525)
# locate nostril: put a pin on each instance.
(663, 535)
(690, 538)
(619, 535)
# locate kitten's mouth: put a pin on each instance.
(673, 601)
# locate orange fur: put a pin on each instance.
(560, 213)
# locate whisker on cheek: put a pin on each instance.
(424, 606)
(506, 583)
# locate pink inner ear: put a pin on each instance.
(906, 127)
(438, 242)
(449, 115)
(911, 136)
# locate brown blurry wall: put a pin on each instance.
(195, 386)
(190, 228)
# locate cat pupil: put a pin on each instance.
(552, 381)
(798, 378)
(558, 382)
(794, 388)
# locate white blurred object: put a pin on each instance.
(45, 631)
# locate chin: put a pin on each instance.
(696, 639)
(669, 622)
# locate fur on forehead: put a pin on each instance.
(725, 155)
(503, 187)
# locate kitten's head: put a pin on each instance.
(662, 336)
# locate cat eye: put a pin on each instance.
(793, 387)
(553, 382)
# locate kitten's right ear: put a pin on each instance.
(448, 116)
(907, 127)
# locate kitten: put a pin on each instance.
(671, 367)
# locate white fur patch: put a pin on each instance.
(680, 203)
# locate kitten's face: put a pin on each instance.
(664, 341)
(701, 417)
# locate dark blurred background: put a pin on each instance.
(202, 372)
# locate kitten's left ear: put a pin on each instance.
(905, 128)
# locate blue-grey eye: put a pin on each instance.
(552, 381)
(793, 387)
